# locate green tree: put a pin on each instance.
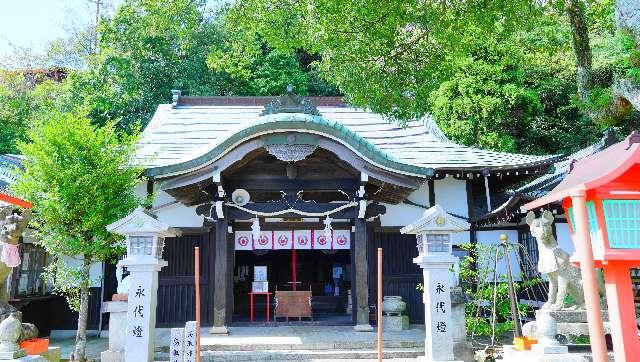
(14, 111)
(388, 58)
(146, 49)
(23, 98)
(411, 58)
(78, 178)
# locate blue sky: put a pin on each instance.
(32, 23)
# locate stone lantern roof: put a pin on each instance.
(142, 222)
(436, 219)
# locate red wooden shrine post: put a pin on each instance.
(601, 197)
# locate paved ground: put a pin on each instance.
(94, 346)
(293, 337)
(306, 335)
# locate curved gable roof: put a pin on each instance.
(183, 138)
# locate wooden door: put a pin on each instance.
(176, 292)
(400, 275)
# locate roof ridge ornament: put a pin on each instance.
(290, 103)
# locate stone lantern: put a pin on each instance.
(144, 238)
(433, 233)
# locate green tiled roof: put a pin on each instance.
(183, 138)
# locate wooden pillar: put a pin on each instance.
(624, 334)
(222, 277)
(362, 284)
(588, 273)
(231, 259)
(354, 297)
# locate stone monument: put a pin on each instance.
(554, 318)
(117, 331)
(10, 336)
(564, 277)
(10, 331)
(433, 232)
(144, 236)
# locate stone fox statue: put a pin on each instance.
(12, 225)
(554, 262)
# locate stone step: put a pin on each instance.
(308, 355)
(319, 346)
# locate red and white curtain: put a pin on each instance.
(293, 239)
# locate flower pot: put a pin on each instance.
(35, 345)
(393, 305)
(524, 343)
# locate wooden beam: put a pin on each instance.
(294, 185)
(432, 192)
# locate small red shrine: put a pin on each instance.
(601, 196)
(7, 198)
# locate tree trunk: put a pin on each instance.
(581, 46)
(625, 96)
(79, 353)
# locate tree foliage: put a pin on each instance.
(22, 98)
(499, 75)
(79, 179)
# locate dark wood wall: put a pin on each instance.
(54, 313)
(176, 289)
(400, 275)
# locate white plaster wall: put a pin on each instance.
(169, 211)
(400, 215)
(564, 238)
(178, 215)
(493, 237)
(452, 195)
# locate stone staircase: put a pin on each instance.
(306, 343)
(313, 351)
(395, 350)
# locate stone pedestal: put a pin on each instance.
(569, 323)
(9, 355)
(117, 331)
(141, 316)
(547, 330)
(462, 349)
(437, 302)
(395, 323)
(511, 354)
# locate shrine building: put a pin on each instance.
(308, 188)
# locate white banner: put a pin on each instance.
(302, 239)
(320, 241)
(341, 239)
(283, 239)
(293, 239)
(265, 241)
(244, 240)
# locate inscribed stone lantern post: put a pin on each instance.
(144, 240)
(433, 233)
(601, 197)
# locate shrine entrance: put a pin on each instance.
(325, 274)
(302, 206)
